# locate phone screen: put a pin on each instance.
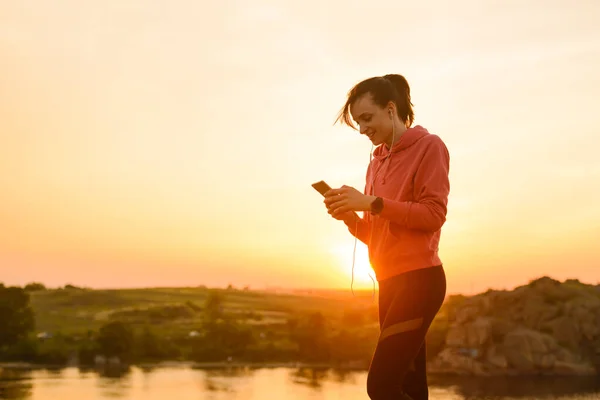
(321, 187)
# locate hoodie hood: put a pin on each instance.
(408, 138)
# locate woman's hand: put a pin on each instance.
(346, 199)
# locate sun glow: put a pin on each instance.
(363, 272)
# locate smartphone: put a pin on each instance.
(321, 187)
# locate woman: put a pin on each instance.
(404, 208)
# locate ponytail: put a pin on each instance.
(391, 87)
(400, 84)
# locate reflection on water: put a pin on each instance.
(237, 383)
(312, 377)
(114, 382)
(543, 387)
(224, 379)
(15, 384)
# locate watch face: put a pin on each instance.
(377, 205)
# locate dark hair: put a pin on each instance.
(383, 89)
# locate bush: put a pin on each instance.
(222, 340)
(116, 339)
(25, 349)
(55, 351)
(34, 287)
(151, 347)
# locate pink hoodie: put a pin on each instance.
(413, 182)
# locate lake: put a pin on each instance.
(186, 383)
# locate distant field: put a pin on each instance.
(73, 311)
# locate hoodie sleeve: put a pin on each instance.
(432, 187)
(359, 228)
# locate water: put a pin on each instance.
(183, 383)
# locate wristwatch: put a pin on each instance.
(376, 206)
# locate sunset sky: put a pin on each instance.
(154, 143)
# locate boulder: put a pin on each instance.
(564, 331)
(567, 368)
(479, 332)
(475, 334)
(467, 313)
(451, 361)
(456, 336)
(527, 350)
(496, 358)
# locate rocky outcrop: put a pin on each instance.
(545, 327)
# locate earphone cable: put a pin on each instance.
(372, 194)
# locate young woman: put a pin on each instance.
(404, 207)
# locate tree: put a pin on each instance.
(16, 315)
(223, 335)
(115, 339)
(310, 335)
(151, 346)
(213, 308)
(34, 286)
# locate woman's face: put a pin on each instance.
(373, 121)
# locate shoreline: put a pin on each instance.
(180, 364)
(269, 365)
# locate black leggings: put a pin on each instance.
(407, 305)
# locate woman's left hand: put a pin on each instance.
(346, 199)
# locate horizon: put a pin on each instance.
(291, 290)
(163, 145)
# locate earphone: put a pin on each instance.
(372, 194)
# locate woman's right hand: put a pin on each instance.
(349, 217)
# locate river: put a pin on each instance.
(185, 383)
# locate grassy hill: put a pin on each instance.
(199, 324)
(74, 310)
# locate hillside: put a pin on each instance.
(75, 311)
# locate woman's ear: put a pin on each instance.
(391, 109)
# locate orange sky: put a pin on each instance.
(153, 143)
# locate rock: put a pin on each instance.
(531, 310)
(518, 355)
(535, 314)
(582, 304)
(479, 332)
(500, 327)
(496, 358)
(472, 335)
(552, 290)
(564, 331)
(451, 361)
(565, 355)
(457, 336)
(466, 314)
(525, 349)
(566, 368)
(584, 312)
(590, 329)
(547, 361)
(545, 327)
